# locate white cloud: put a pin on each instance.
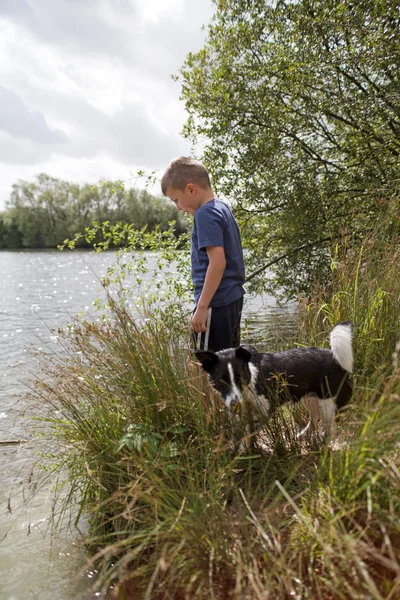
(86, 91)
(19, 121)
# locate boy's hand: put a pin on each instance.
(199, 319)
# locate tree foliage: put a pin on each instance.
(298, 105)
(43, 213)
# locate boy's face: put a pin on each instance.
(186, 200)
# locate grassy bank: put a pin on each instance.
(175, 514)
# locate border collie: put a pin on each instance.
(316, 376)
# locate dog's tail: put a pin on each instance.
(341, 345)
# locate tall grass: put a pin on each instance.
(175, 513)
(365, 288)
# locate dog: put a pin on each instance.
(318, 377)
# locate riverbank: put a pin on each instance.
(175, 514)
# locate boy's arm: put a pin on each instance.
(215, 271)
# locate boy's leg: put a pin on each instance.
(223, 328)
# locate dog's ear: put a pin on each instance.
(243, 353)
(207, 358)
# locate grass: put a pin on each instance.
(174, 513)
(365, 288)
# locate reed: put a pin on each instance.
(364, 288)
(175, 513)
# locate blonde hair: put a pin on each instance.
(182, 171)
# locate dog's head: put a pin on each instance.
(228, 371)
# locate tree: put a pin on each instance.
(43, 213)
(9, 234)
(299, 106)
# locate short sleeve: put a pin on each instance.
(210, 227)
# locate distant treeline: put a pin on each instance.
(45, 212)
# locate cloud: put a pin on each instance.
(131, 135)
(79, 25)
(13, 152)
(87, 82)
(18, 120)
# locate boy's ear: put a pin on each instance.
(207, 358)
(243, 353)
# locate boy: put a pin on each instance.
(216, 255)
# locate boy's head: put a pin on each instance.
(187, 183)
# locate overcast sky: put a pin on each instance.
(85, 86)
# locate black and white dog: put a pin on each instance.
(316, 376)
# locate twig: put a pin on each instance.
(6, 442)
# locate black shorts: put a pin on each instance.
(223, 328)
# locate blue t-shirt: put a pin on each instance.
(215, 225)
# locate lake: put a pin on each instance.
(40, 292)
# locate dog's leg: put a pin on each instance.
(258, 410)
(327, 410)
(237, 442)
(260, 402)
(310, 402)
